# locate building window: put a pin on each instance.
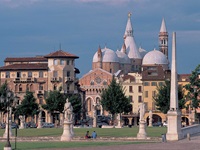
(41, 74)
(92, 83)
(153, 93)
(105, 83)
(18, 74)
(55, 62)
(7, 74)
(140, 89)
(146, 94)
(55, 74)
(68, 62)
(62, 62)
(54, 87)
(30, 74)
(146, 83)
(110, 70)
(20, 87)
(131, 98)
(40, 100)
(27, 87)
(130, 89)
(40, 87)
(68, 73)
(153, 83)
(139, 99)
(160, 83)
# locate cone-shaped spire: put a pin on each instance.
(131, 48)
(163, 27)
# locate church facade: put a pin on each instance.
(139, 72)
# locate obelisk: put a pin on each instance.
(174, 114)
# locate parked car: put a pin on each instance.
(2, 125)
(47, 125)
(157, 124)
(14, 125)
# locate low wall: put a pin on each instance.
(193, 129)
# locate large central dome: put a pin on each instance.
(154, 57)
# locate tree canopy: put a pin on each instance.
(55, 101)
(162, 98)
(113, 99)
(194, 87)
(3, 94)
(28, 106)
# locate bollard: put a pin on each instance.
(188, 136)
(163, 138)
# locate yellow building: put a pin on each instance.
(39, 75)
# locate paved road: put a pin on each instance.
(185, 144)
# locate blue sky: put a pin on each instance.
(37, 27)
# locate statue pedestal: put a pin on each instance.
(67, 131)
(21, 125)
(5, 135)
(142, 130)
(174, 132)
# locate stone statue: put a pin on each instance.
(68, 111)
(22, 121)
(142, 111)
(150, 114)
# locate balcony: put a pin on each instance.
(55, 79)
(24, 80)
(69, 79)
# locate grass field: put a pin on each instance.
(79, 132)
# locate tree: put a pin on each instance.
(193, 87)
(28, 107)
(113, 99)
(55, 101)
(75, 100)
(3, 93)
(162, 98)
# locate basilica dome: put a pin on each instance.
(123, 58)
(154, 57)
(108, 55)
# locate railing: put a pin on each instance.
(55, 79)
(40, 91)
(26, 80)
(69, 79)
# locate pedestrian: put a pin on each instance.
(87, 136)
(94, 135)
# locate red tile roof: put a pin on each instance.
(61, 54)
(36, 66)
(126, 77)
(25, 59)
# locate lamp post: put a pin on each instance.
(7, 101)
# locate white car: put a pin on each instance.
(164, 124)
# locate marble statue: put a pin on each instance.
(68, 111)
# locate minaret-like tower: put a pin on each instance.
(174, 132)
(163, 39)
(99, 52)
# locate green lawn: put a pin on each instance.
(79, 132)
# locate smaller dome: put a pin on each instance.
(154, 57)
(108, 55)
(123, 58)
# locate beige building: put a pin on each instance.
(39, 75)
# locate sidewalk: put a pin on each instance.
(185, 144)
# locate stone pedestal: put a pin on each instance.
(5, 135)
(7, 148)
(142, 130)
(174, 126)
(67, 131)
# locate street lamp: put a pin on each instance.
(7, 100)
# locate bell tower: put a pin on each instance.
(163, 39)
